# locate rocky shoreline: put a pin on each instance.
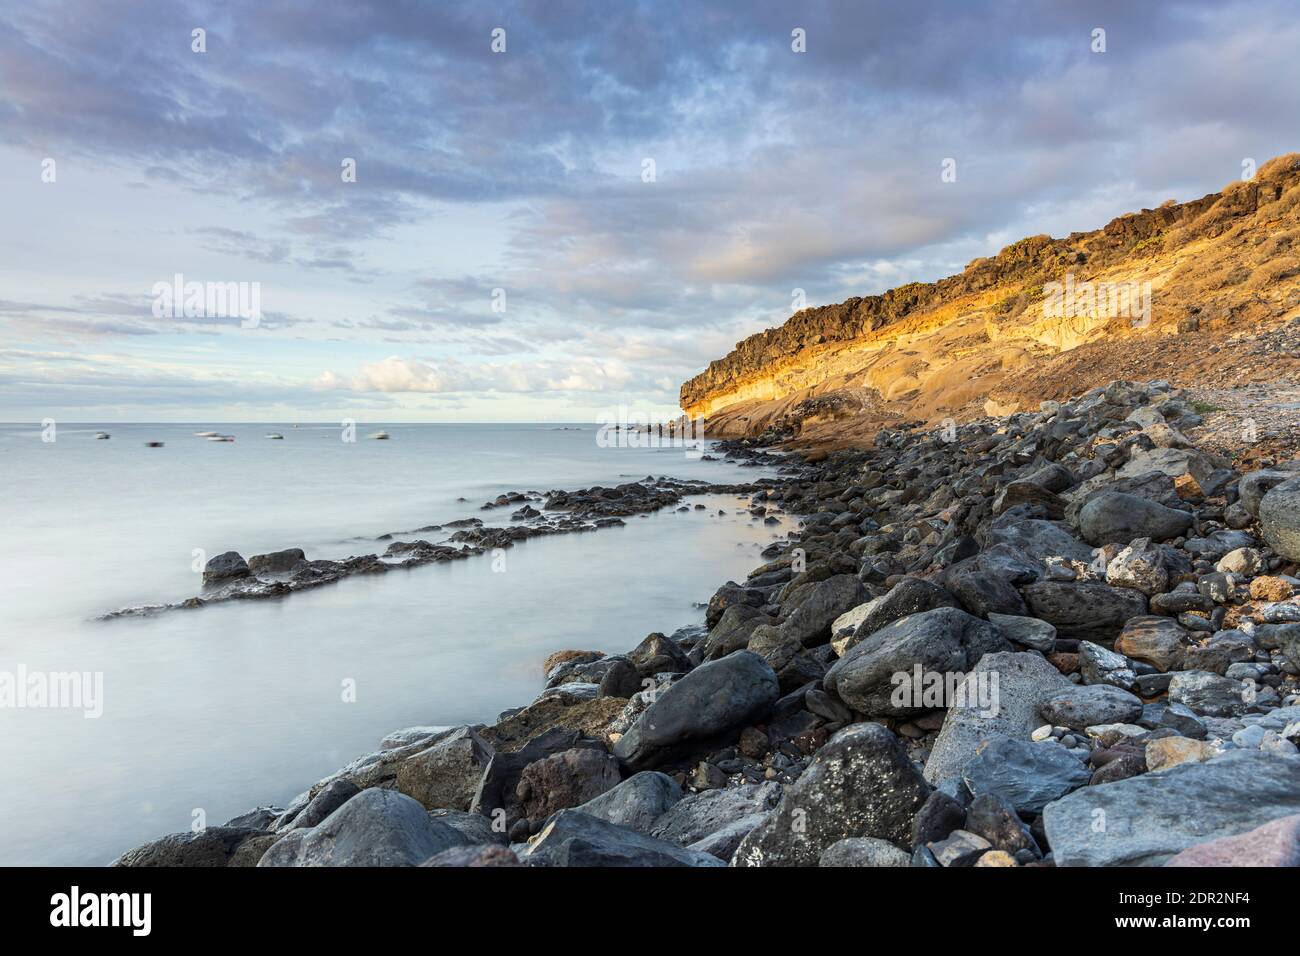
(1067, 637)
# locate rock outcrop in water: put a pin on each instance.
(228, 577)
(980, 638)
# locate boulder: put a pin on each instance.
(1026, 774)
(1024, 681)
(810, 622)
(1208, 694)
(574, 838)
(716, 697)
(377, 827)
(1147, 819)
(859, 784)
(1165, 752)
(864, 851)
(1276, 843)
(732, 632)
(1279, 518)
(908, 596)
(334, 795)
(698, 816)
(1081, 706)
(225, 567)
(563, 780)
(1252, 488)
(1084, 610)
(1139, 566)
(943, 641)
(1027, 631)
(637, 802)
(448, 773)
(1098, 665)
(1153, 639)
(658, 655)
(277, 562)
(211, 846)
(1118, 518)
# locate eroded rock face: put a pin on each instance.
(860, 784)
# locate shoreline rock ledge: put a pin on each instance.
(1046, 639)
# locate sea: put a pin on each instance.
(191, 717)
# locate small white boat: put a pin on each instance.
(380, 436)
(275, 435)
(221, 438)
(206, 434)
(100, 436)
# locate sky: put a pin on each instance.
(578, 219)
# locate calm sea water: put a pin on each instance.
(221, 709)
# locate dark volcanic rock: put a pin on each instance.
(908, 596)
(1118, 518)
(212, 846)
(1088, 611)
(944, 640)
(716, 697)
(375, 828)
(1027, 774)
(224, 568)
(860, 784)
(573, 838)
(1082, 706)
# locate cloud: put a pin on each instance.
(397, 374)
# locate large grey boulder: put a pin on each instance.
(875, 677)
(1084, 610)
(859, 784)
(699, 816)
(1023, 682)
(908, 596)
(1208, 694)
(1279, 518)
(377, 827)
(447, 774)
(715, 697)
(1118, 518)
(1252, 488)
(1027, 774)
(637, 802)
(1174, 462)
(1037, 539)
(810, 622)
(1145, 820)
(573, 838)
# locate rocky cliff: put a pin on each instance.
(1182, 292)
